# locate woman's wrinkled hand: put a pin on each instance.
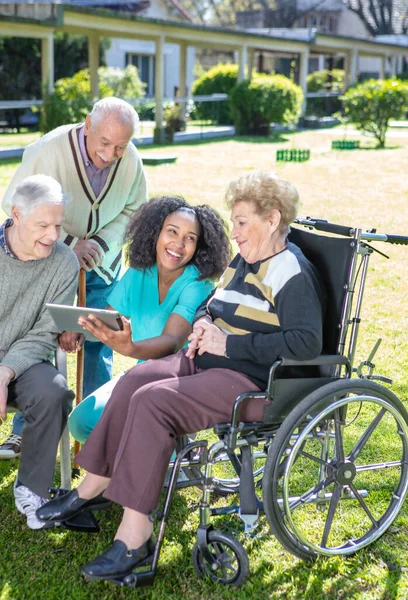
(70, 341)
(212, 340)
(196, 335)
(120, 340)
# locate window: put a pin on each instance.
(146, 66)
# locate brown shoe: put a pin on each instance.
(11, 448)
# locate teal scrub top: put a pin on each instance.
(136, 295)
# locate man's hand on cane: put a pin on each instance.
(89, 254)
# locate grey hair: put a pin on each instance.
(36, 190)
(121, 110)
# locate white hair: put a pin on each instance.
(122, 111)
(36, 190)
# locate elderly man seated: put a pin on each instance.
(35, 268)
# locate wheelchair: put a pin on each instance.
(328, 465)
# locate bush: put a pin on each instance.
(321, 81)
(371, 105)
(403, 76)
(71, 98)
(173, 123)
(218, 80)
(146, 110)
(264, 100)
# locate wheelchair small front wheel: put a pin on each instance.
(230, 565)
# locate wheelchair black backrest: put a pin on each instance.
(332, 257)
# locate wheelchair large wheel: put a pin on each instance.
(230, 565)
(337, 472)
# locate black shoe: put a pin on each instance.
(67, 506)
(118, 561)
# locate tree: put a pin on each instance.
(20, 67)
(381, 17)
(371, 104)
(287, 12)
(71, 99)
(277, 13)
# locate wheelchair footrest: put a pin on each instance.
(134, 579)
(84, 522)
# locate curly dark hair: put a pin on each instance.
(213, 250)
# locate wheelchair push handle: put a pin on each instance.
(323, 225)
(369, 236)
(397, 239)
(385, 237)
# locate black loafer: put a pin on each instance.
(67, 506)
(118, 561)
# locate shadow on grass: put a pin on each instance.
(387, 147)
(217, 140)
(330, 579)
(46, 564)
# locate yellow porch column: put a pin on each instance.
(243, 58)
(182, 79)
(47, 62)
(93, 62)
(159, 90)
(303, 71)
(250, 63)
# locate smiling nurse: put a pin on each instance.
(174, 252)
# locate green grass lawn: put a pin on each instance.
(357, 188)
(146, 128)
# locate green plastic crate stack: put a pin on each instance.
(292, 155)
(345, 145)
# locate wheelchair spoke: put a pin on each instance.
(301, 500)
(320, 461)
(332, 509)
(224, 560)
(366, 436)
(378, 466)
(363, 505)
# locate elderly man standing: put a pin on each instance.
(101, 172)
(35, 268)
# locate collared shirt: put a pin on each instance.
(96, 177)
(3, 241)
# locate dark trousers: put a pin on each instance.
(98, 359)
(150, 406)
(42, 395)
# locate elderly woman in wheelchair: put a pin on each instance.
(268, 304)
(324, 433)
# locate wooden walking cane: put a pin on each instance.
(80, 363)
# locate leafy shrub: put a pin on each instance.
(324, 81)
(146, 110)
(371, 105)
(124, 83)
(71, 99)
(264, 100)
(218, 80)
(173, 122)
(403, 76)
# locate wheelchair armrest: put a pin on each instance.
(324, 359)
(319, 361)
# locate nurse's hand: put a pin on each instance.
(120, 341)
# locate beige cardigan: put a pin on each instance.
(103, 218)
